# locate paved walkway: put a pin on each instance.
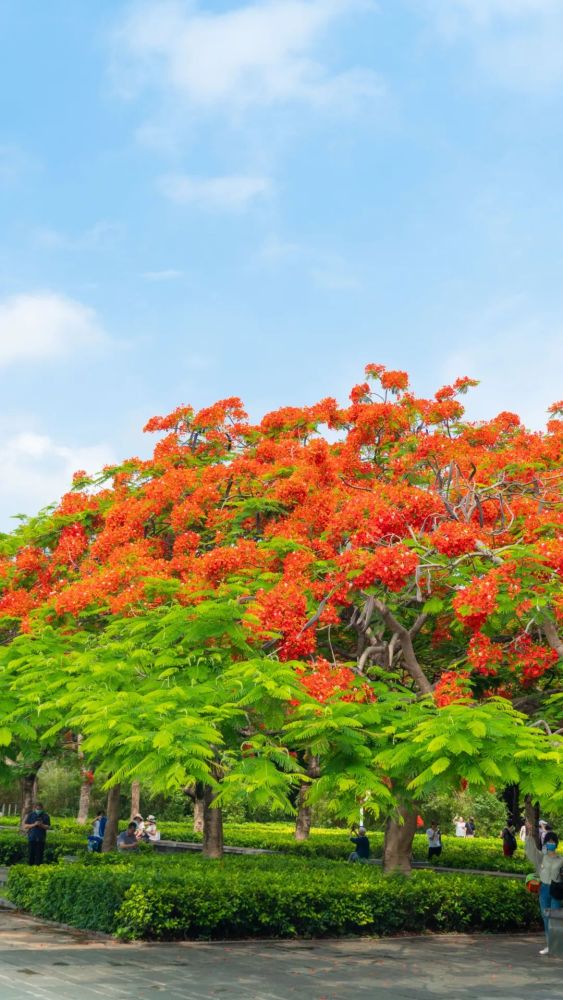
(44, 962)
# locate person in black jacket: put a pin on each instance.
(509, 843)
(361, 851)
(36, 824)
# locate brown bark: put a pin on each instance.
(304, 815)
(113, 805)
(397, 846)
(304, 811)
(199, 814)
(135, 799)
(405, 637)
(195, 793)
(552, 636)
(532, 813)
(84, 801)
(212, 825)
(27, 790)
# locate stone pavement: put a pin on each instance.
(45, 962)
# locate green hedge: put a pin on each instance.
(169, 898)
(479, 852)
(13, 847)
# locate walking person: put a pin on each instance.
(509, 843)
(434, 841)
(549, 868)
(470, 827)
(36, 824)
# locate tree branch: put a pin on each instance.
(552, 636)
(411, 663)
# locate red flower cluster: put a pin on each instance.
(483, 655)
(452, 686)
(473, 604)
(392, 566)
(453, 538)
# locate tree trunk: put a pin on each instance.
(199, 813)
(27, 787)
(511, 795)
(304, 812)
(304, 815)
(84, 801)
(532, 811)
(212, 826)
(28, 791)
(397, 846)
(110, 835)
(135, 798)
(195, 793)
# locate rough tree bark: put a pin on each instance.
(84, 801)
(199, 812)
(532, 813)
(212, 825)
(85, 788)
(304, 811)
(112, 810)
(28, 790)
(397, 846)
(135, 799)
(511, 796)
(195, 793)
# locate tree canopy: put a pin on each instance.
(376, 585)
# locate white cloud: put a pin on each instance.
(228, 193)
(517, 358)
(36, 471)
(326, 269)
(95, 237)
(166, 275)
(253, 55)
(44, 325)
(517, 42)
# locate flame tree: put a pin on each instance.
(359, 600)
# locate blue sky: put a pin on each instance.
(201, 200)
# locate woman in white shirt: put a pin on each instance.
(549, 868)
(460, 830)
(152, 833)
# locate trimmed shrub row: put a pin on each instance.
(482, 853)
(163, 899)
(13, 847)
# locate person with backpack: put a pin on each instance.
(509, 843)
(549, 868)
(96, 838)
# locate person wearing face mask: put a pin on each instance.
(549, 867)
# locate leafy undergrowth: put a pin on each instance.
(171, 898)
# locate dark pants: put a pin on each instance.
(434, 852)
(36, 849)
